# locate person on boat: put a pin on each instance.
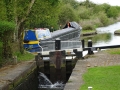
(68, 25)
(51, 29)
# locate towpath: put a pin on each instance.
(10, 74)
(100, 58)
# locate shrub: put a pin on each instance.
(103, 18)
(112, 12)
(84, 13)
(67, 14)
(6, 33)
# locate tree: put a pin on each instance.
(21, 10)
(6, 31)
(43, 14)
(23, 13)
(17, 11)
(2, 11)
(73, 3)
(67, 14)
(18, 14)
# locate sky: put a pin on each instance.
(111, 2)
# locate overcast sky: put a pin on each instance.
(111, 2)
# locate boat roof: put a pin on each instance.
(74, 26)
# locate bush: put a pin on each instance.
(88, 27)
(112, 12)
(103, 18)
(6, 33)
(85, 13)
(6, 26)
(67, 14)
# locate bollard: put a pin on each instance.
(83, 43)
(78, 54)
(57, 44)
(90, 45)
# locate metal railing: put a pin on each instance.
(50, 45)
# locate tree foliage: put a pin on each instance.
(50, 13)
(6, 32)
(43, 14)
(103, 18)
(67, 14)
(2, 10)
(113, 12)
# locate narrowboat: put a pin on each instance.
(34, 39)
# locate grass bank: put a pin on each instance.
(20, 57)
(117, 32)
(102, 78)
(24, 57)
(113, 51)
(88, 32)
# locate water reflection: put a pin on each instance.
(109, 29)
(105, 36)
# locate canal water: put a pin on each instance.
(105, 36)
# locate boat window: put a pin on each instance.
(43, 34)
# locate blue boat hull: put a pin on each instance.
(32, 47)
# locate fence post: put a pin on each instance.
(90, 46)
(57, 44)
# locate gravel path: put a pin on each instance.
(100, 58)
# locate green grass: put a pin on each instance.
(113, 51)
(88, 31)
(24, 57)
(117, 31)
(102, 78)
(20, 57)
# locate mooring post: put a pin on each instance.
(57, 44)
(83, 43)
(90, 46)
(78, 54)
